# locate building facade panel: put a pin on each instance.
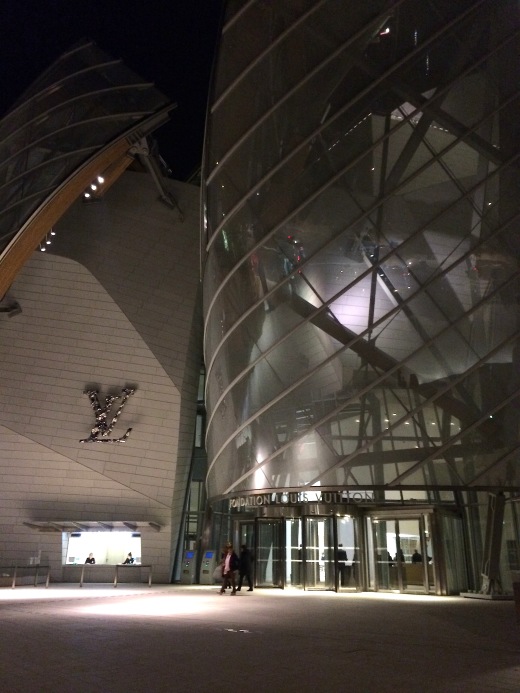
(77, 331)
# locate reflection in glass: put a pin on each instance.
(361, 278)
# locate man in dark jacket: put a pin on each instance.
(245, 568)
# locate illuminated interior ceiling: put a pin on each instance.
(78, 123)
(93, 526)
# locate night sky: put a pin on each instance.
(168, 42)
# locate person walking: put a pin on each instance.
(229, 569)
(245, 568)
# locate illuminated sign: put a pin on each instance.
(297, 497)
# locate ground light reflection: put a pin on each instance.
(164, 605)
(160, 597)
(175, 637)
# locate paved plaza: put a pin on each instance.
(191, 639)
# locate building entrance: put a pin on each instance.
(400, 554)
(311, 553)
(419, 551)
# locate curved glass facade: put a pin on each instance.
(361, 211)
(80, 106)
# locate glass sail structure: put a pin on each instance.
(361, 207)
(77, 123)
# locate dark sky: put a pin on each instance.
(169, 42)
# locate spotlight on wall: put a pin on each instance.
(47, 240)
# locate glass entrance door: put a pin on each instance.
(319, 559)
(417, 571)
(293, 553)
(348, 554)
(400, 554)
(268, 554)
(383, 569)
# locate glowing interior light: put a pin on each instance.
(100, 179)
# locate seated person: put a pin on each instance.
(90, 558)
(129, 559)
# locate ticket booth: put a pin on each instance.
(207, 567)
(189, 561)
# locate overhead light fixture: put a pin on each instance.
(93, 188)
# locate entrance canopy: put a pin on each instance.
(93, 526)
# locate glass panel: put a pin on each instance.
(384, 567)
(103, 547)
(293, 553)
(414, 564)
(348, 554)
(394, 208)
(268, 555)
(247, 534)
(80, 103)
(319, 554)
(401, 555)
(452, 540)
(510, 553)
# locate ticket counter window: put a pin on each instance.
(106, 548)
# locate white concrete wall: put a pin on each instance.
(115, 306)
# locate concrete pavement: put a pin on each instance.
(190, 639)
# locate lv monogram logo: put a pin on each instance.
(102, 429)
